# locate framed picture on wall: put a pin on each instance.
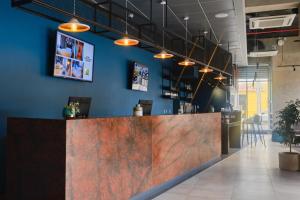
(140, 77)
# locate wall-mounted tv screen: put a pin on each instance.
(140, 77)
(74, 58)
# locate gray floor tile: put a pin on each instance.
(250, 174)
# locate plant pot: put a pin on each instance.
(289, 161)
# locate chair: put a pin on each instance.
(257, 121)
(255, 129)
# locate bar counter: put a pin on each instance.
(106, 158)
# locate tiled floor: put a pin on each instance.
(250, 174)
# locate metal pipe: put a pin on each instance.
(212, 56)
(274, 31)
(210, 26)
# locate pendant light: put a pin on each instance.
(126, 40)
(206, 69)
(163, 54)
(186, 62)
(220, 77)
(74, 25)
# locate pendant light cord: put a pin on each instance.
(186, 31)
(74, 7)
(126, 5)
(163, 26)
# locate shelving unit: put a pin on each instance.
(184, 90)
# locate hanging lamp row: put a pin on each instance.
(75, 26)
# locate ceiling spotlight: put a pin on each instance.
(220, 44)
(280, 42)
(221, 15)
(163, 2)
(186, 18)
(131, 15)
(205, 32)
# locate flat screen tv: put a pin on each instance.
(140, 77)
(74, 58)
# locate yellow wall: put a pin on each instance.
(253, 95)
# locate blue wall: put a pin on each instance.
(28, 91)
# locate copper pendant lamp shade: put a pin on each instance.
(163, 55)
(126, 41)
(206, 69)
(220, 77)
(186, 63)
(74, 26)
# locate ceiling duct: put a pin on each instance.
(259, 49)
(271, 21)
(260, 54)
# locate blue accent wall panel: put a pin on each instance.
(27, 90)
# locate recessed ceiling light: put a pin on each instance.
(221, 15)
(163, 2)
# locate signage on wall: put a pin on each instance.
(74, 58)
(140, 77)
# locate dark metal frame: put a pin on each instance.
(147, 38)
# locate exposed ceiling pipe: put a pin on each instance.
(274, 31)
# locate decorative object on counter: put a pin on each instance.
(171, 94)
(180, 110)
(163, 54)
(138, 110)
(71, 110)
(126, 40)
(186, 62)
(211, 109)
(74, 25)
(288, 118)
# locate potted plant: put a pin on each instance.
(71, 110)
(287, 118)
